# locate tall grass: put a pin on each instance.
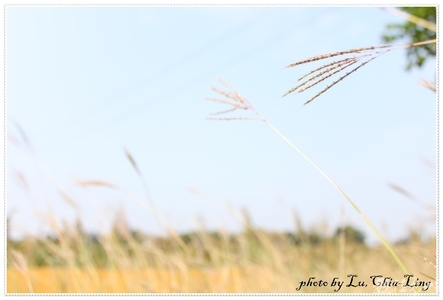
(239, 101)
(251, 261)
(236, 101)
(123, 260)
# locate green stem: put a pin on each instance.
(385, 242)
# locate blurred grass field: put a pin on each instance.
(252, 261)
(70, 259)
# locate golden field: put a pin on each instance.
(253, 261)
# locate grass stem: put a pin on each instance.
(374, 229)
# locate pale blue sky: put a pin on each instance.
(84, 82)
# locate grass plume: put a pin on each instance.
(241, 102)
(328, 70)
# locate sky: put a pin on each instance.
(84, 84)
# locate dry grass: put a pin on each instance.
(233, 98)
(253, 261)
(238, 101)
(328, 70)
